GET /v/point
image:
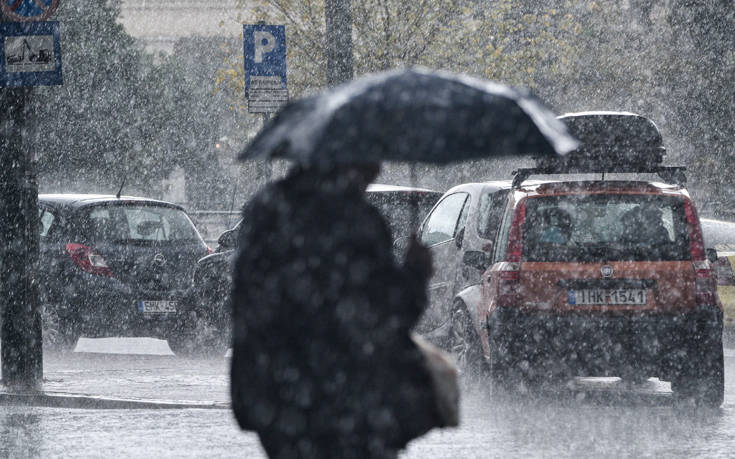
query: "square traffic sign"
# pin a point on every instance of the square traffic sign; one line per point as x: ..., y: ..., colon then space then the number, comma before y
x: 265, y: 67
x: 30, y: 54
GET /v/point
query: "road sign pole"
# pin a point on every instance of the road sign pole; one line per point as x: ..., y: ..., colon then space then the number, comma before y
x: 32, y: 54
x: 267, y: 163
x: 338, y: 17
x: 22, y: 351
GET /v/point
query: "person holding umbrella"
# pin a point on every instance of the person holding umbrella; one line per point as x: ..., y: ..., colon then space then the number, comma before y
x: 323, y: 363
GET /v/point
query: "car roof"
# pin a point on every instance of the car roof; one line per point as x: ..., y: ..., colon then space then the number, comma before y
x: 480, y: 186
x: 74, y: 200
x: 600, y: 186
x: 383, y: 188
x: 551, y: 187
x: 719, y: 234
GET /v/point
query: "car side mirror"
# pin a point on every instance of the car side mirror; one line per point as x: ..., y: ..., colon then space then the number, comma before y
x: 475, y: 259
x: 711, y: 255
x: 228, y: 239
x: 400, y: 245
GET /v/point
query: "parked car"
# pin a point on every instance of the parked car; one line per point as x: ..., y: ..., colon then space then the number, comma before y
x: 720, y: 236
x: 207, y: 304
x: 603, y: 277
x: 459, y: 231
x: 395, y: 203
x: 113, y: 266
x: 206, y: 308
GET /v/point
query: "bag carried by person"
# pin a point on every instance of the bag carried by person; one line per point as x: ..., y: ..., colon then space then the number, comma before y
x: 443, y: 374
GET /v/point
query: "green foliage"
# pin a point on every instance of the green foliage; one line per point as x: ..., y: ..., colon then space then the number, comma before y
x: 189, y: 123
x: 671, y: 61
x: 486, y: 38
x: 88, y: 131
x: 122, y: 112
x: 496, y: 39
x: 702, y: 54
x: 502, y: 41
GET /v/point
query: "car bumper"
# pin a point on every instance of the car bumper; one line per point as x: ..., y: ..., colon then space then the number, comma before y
x: 602, y: 344
x: 107, y: 307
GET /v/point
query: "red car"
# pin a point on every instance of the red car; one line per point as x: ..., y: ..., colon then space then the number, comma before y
x: 603, y: 278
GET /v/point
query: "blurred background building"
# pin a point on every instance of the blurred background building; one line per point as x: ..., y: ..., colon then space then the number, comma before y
x: 159, y: 23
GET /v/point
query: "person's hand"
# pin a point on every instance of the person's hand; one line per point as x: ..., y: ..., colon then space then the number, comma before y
x: 418, y: 258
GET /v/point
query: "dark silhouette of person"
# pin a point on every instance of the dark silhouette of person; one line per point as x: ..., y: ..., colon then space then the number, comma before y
x: 323, y: 364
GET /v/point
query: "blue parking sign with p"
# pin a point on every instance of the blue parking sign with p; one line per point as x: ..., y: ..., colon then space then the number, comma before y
x: 265, y: 52
x: 265, y: 67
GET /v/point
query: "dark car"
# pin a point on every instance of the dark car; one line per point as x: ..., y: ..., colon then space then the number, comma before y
x: 395, y: 203
x: 205, y: 311
x: 207, y: 307
x: 114, y: 266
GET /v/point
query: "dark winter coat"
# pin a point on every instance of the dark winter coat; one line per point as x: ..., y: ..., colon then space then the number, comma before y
x: 321, y: 321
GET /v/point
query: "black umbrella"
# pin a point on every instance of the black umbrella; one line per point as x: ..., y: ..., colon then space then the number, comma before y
x: 412, y: 115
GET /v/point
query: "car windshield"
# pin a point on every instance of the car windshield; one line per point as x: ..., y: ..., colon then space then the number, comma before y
x: 605, y: 227
x: 139, y: 224
x: 396, y: 208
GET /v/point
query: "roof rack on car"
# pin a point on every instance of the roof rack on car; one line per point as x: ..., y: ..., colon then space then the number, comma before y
x: 669, y: 174
x: 610, y: 142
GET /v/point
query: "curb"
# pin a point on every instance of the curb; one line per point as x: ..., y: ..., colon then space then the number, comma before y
x: 77, y: 401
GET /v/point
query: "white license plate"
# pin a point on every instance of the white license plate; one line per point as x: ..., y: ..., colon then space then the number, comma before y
x: 607, y: 296
x: 157, y: 307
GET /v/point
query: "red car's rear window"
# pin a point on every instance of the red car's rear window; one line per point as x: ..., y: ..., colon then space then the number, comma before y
x: 605, y: 227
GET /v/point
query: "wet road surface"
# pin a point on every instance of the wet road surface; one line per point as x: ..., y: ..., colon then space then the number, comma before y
x: 591, y: 418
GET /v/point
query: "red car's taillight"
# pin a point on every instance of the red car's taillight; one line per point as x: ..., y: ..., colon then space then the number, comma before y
x: 705, y: 283
x: 509, y: 285
x: 705, y: 280
x: 509, y: 281
x: 88, y: 259
x: 696, y: 243
x: 515, y: 236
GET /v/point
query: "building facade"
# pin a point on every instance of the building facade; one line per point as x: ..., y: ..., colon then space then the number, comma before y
x: 159, y: 23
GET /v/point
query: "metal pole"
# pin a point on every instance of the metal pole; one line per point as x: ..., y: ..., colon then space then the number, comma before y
x: 267, y: 171
x: 22, y: 349
x: 338, y: 18
x: 414, y: 203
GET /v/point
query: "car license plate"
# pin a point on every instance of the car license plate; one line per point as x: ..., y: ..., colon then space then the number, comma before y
x: 157, y: 307
x: 607, y: 296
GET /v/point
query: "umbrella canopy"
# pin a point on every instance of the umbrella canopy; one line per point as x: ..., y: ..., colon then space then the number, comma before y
x: 412, y: 115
